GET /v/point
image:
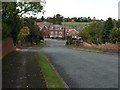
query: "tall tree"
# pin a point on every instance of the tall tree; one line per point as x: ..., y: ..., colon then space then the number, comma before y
x: 115, y: 33
x: 11, y: 13
x: 92, y: 32
x: 42, y: 18
x: 107, y: 29
x: 56, y: 19
x: 34, y: 35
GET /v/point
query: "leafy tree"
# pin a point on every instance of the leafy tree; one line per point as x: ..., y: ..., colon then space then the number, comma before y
x: 35, y: 35
x: 118, y: 23
x: 24, y: 32
x: 56, y: 19
x: 42, y: 18
x: 107, y: 29
x: 115, y: 32
x: 11, y: 13
x: 92, y: 32
x: 115, y: 35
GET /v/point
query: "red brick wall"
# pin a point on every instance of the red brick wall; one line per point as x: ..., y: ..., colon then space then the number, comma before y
x: 57, y: 33
x: 45, y: 32
x: 103, y: 46
x: 7, y: 46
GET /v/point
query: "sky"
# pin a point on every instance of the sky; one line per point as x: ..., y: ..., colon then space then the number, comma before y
x: 101, y: 9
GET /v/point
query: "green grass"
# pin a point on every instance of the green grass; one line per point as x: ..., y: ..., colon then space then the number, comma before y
x: 52, y: 79
x: 77, y: 24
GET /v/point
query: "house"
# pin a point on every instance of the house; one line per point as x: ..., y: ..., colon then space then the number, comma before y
x: 57, y: 31
x: 44, y: 28
x: 72, y: 32
x: 49, y: 30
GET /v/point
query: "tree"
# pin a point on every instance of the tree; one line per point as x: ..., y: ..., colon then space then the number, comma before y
x: 11, y: 13
x: 24, y: 32
x: 118, y: 23
x: 115, y: 32
x: 115, y: 35
x: 35, y: 35
x: 92, y: 32
x: 107, y: 29
x: 56, y: 19
x: 42, y: 18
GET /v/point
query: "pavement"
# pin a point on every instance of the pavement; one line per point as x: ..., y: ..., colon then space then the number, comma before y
x: 82, y: 69
x: 21, y: 70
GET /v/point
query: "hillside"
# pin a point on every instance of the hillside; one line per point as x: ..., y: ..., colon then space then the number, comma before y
x: 76, y: 25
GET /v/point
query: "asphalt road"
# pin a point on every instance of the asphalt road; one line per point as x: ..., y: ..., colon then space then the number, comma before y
x: 81, y: 69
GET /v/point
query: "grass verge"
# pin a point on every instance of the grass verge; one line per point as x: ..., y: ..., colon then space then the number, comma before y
x: 81, y: 48
x: 51, y: 77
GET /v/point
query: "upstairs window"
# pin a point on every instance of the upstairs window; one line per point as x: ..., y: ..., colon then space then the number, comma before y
x: 52, y: 33
x: 60, y: 33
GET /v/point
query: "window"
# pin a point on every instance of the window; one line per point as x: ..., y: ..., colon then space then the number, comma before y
x: 51, y: 32
x: 45, y: 26
x: 60, y: 33
x: 53, y: 27
x: 61, y: 28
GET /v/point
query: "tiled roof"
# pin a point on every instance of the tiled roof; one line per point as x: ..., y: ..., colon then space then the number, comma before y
x: 72, y: 32
x: 56, y: 27
x: 42, y: 24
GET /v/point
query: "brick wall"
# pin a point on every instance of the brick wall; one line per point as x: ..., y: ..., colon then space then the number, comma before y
x: 7, y: 46
x: 56, y: 33
x: 103, y: 46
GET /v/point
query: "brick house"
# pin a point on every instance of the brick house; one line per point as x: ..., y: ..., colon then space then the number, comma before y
x: 49, y: 30
x: 72, y: 32
x: 44, y: 28
x: 57, y: 31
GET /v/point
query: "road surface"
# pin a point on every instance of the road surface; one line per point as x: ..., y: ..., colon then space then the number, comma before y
x: 81, y: 69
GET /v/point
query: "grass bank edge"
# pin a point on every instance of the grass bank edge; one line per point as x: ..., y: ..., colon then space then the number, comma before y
x: 51, y: 77
x: 81, y: 48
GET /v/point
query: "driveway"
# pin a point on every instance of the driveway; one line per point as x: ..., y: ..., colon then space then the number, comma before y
x: 81, y: 69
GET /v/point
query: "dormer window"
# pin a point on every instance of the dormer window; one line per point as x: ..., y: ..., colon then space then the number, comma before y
x: 45, y: 26
x: 53, y: 27
x: 61, y: 28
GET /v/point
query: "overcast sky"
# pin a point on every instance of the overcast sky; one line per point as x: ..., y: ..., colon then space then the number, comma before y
x: 101, y: 9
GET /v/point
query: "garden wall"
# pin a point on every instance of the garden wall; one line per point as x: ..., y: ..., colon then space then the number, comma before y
x: 109, y: 46
x: 7, y: 46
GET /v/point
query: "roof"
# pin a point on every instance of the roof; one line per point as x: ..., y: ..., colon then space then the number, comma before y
x: 42, y: 24
x: 72, y: 32
x: 56, y: 27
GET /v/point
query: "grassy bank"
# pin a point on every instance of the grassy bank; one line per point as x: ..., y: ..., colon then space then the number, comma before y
x: 77, y: 24
x: 91, y: 49
x: 51, y: 77
x: 81, y: 48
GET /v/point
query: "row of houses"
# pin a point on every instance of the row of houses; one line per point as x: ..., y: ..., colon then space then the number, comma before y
x: 49, y: 30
